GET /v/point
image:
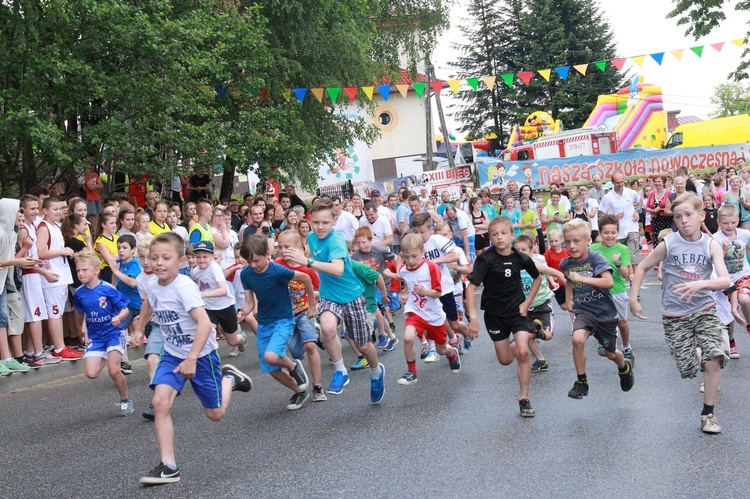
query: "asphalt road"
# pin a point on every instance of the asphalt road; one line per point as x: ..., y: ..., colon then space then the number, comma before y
x: 447, y: 435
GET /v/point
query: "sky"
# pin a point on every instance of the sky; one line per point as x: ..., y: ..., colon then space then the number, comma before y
x: 641, y: 27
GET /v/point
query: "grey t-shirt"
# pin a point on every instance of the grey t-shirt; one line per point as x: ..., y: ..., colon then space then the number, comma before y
x: 686, y: 261
x: 590, y: 300
x: 376, y: 258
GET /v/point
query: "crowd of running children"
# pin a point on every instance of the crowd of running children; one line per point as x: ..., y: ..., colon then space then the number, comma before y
x: 178, y: 278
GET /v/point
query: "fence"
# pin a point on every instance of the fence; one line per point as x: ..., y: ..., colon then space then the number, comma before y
x: 342, y: 190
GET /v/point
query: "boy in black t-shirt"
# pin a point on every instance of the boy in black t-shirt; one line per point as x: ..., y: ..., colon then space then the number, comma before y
x: 504, y: 303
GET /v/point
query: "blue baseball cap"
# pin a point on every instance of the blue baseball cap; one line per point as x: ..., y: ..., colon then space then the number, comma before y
x: 204, y: 246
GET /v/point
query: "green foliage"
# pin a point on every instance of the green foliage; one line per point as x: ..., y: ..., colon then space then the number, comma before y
x: 134, y: 81
x: 535, y: 34
x: 700, y: 17
x: 731, y: 99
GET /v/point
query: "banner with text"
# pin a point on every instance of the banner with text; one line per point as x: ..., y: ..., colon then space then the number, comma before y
x: 634, y: 162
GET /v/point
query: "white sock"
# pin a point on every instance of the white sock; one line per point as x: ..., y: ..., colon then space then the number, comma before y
x: 339, y: 366
x: 375, y: 372
x: 8, y: 359
x: 432, y: 345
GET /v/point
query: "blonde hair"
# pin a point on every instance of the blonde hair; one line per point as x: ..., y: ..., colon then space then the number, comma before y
x: 689, y: 198
x: 500, y: 220
x: 577, y: 224
x: 87, y: 256
x: 728, y: 210
x: 144, y: 247
x: 441, y: 226
x: 412, y: 242
x: 290, y: 234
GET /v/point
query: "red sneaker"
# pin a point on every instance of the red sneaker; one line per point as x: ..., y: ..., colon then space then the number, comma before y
x: 67, y: 354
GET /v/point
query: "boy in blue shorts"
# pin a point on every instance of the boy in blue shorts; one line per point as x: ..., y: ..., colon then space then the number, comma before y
x: 190, y: 351
x: 340, y: 298
x: 587, y: 295
x: 104, y: 309
x: 126, y: 270
x: 269, y: 282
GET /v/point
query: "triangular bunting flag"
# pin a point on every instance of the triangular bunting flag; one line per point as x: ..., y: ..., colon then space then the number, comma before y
x: 525, y: 77
x: 384, y: 91
x: 545, y: 73
x: 563, y: 71
x: 402, y: 89
x: 489, y: 81
x: 618, y: 63
x: 419, y: 88
x: 254, y: 92
x: 473, y: 82
x: 697, y: 50
x: 658, y: 57
x: 718, y: 46
x: 601, y: 65
x: 222, y: 91
x: 739, y: 42
x: 300, y: 93
x: 638, y: 60
x: 351, y: 92
x: 508, y: 79
x: 368, y: 92
x: 333, y: 92
x: 454, y: 84
x: 286, y: 94
x: 318, y: 93
x: 437, y: 86
x: 677, y: 54
x: 581, y: 68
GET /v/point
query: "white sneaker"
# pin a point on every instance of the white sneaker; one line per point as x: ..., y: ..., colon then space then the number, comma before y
x: 432, y: 356
x: 234, y: 352
x: 709, y: 424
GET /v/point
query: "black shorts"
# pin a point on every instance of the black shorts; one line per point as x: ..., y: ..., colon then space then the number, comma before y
x: 543, y: 313
x: 500, y: 328
x: 481, y: 241
x: 226, y: 318
x: 449, y: 306
x: 560, y: 295
x: 604, y: 332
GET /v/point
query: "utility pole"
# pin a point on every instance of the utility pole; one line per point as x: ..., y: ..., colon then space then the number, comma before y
x: 428, y: 117
x: 446, y: 138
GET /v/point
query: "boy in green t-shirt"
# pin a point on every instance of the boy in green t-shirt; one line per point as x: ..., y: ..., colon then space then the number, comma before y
x: 618, y: 256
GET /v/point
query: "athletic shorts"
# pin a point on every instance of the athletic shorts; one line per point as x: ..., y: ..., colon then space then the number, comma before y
x: 706, y: 329
x: 354, y: 316
x: 55, y: 299
x: 102, y: 346
x: 622, y: 304
x: 206, y: 383
x: 132, y: 314
x: 449, y: 306
x: 155, y: 343
x: 605, y: 332
x: 273, y: 338
x: 482, y: 241
x: 459, y: 242
x: 500, y: 328
x: 543, y: 313
x: 15, y: 314
x: 395, y: 301
x: 32, y: 298
x: 226, y: 318
x: 434, y: 333
x: 304, y: 332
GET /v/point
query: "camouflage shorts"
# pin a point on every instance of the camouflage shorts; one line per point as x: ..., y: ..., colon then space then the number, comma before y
x: 703, y: 328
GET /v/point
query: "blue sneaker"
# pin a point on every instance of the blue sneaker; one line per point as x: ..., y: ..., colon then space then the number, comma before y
x: 338, y: 382
x: 467, y: 344
x: 391, y: 344
x: 382, y: 341
x: 377, y: 386
x: 360, y: 364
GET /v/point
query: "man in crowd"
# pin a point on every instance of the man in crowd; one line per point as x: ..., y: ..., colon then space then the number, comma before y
x: 621, y: 203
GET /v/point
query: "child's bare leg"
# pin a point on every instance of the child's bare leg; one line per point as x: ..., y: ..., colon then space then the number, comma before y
x: 624, y: 327
x: 313, y: 362
x: 328, y: 324
x: 535, y: 349
x: 162, y: 401
x: 711, y: 380
x: 521, y: 350
x: 504, y: 352
x: 579, y: 352
x: 113, y: 365
x: 227, y: 384
x: 92, y: 366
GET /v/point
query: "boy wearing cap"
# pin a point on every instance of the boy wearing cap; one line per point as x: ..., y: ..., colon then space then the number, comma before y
x: 219, y: 304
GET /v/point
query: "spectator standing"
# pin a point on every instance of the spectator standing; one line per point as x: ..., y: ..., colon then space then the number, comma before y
x: 621, y: 203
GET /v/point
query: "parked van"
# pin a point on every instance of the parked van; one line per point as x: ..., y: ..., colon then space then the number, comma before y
x: 719, y: 131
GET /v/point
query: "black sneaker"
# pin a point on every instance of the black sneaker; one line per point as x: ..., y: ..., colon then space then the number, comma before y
x: 29, y: 361
x: 627, y: 378
x: 149, y: 413
x: 299, y: 375
x: 243, y: 383
x: 580, y: 389
x: 298, y: 400
x: 526, y: 410
x: 126, y: 368
x: 160, y: 475
x: 540, y: 366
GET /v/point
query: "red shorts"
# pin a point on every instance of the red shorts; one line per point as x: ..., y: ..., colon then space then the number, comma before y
x: 434, y: 333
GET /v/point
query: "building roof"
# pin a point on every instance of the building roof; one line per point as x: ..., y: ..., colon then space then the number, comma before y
x: 406, y: 78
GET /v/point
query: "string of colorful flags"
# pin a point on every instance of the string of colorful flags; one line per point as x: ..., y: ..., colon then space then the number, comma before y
x: 563, y: 72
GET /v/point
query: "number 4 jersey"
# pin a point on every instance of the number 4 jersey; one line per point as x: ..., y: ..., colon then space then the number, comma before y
x: 428, y: 275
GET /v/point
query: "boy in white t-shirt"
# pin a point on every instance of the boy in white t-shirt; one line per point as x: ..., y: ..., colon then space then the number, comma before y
x: 423, y: 310
x: 190, y: 351
x: 220, y: 305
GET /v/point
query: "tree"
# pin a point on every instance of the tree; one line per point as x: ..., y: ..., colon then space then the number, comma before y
x: 540, y: 34
x: 145, y: 83
x: 731, y: 99
x: 700, y: 17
